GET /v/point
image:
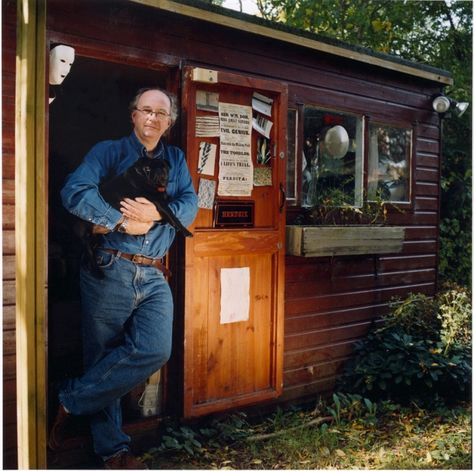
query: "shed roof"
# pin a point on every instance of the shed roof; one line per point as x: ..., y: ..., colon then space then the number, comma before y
x: 254, y: 24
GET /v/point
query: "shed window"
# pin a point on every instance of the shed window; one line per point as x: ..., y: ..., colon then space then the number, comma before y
x: 332, y: 158
x: 389, y: 163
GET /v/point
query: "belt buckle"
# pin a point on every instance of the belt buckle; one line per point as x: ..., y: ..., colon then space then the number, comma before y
x: 137, y: 258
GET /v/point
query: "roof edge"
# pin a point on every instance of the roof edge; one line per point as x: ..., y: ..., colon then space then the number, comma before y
x: 243, y: 21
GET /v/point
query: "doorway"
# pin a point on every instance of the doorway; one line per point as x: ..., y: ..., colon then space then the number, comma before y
x: 90, y: 106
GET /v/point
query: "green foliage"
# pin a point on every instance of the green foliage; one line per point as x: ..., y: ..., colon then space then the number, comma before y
x: 348, y: 407
x: 332, y: 208
x: 180, y: 438
x: 455, y: 316
x: 416, y: 316
x: 422, y: 353
x: 189, y: 438
x: 421, y: 31
x: 370, y: 435
x: 456, y: 201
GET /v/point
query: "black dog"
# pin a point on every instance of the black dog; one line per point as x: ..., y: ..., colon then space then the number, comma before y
x: 146, y: 178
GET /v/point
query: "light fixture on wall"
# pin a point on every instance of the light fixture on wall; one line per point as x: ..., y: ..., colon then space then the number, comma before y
x: 441, y: 104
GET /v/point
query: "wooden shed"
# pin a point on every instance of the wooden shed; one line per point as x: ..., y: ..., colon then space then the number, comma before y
x: 313, y: 117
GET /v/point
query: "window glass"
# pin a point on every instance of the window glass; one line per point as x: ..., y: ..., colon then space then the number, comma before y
x: 389, y: 163
x: 291, y: 157
x: 332, y: 158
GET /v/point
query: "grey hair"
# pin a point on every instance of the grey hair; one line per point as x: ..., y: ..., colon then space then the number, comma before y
x: 172, y: 98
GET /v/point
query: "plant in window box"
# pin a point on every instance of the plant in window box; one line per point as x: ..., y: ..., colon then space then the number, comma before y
x: 334, y: 227
x: 334, y: 208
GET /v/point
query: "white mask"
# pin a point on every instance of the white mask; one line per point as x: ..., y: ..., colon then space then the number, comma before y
x: 61, y: 59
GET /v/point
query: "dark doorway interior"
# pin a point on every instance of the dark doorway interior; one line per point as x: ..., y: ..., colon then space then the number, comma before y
x: 91, y: 105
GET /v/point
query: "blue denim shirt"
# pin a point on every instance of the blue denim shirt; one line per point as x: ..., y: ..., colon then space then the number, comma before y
x: 80, y: 194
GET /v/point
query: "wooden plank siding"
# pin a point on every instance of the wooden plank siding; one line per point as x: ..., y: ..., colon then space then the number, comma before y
x: 8, y: 222
x: 329, y: 302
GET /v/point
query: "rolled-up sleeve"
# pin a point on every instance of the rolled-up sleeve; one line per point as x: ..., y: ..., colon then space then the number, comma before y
x: 80, y: 194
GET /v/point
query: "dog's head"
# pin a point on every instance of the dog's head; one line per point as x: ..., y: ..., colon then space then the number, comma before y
x: 152, y: 173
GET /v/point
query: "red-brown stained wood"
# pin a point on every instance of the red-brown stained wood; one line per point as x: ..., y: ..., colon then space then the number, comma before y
x: 306, y: 357
x: 8, y: 220
x: 427, y: 160
x: 8, y: 243
x: 426, y: 203
x: 426, y: 174
x: 8, y: 318
x: 333, y: 318
x: 317, y: 388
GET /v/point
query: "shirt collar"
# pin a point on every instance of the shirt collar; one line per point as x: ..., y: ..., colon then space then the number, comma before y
x: 157, y: 152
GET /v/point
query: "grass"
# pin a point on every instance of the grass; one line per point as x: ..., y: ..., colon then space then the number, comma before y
x: 358, y: 434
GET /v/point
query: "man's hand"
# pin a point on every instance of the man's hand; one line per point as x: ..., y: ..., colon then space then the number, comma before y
x: 137, y: 227
x: 140, y: 210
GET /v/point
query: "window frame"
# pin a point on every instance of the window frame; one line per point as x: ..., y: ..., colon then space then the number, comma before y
x: 290, y: 199
x: 359, y: 187
x: 366, y: 120
x: 397, y: 125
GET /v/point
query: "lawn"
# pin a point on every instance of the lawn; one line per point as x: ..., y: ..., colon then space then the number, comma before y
x: 348, y: 432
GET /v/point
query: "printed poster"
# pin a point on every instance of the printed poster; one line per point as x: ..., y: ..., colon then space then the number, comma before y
x: 235, y: 160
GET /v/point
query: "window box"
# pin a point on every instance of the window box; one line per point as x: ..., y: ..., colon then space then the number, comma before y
x: 323, y: 241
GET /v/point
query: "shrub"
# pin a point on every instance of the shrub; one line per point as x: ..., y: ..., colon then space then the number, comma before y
x: 416, y: 315
x: 421, y: 353
x: 455, y: 316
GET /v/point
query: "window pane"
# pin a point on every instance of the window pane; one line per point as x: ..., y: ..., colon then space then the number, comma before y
x: 332, y: 159
x: 389, y: 163
x: 291, y: 157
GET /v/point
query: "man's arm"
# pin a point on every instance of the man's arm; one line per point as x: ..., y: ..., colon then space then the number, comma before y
x: 81, y: 196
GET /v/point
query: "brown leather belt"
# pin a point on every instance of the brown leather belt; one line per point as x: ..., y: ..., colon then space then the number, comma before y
x: 140, y: 260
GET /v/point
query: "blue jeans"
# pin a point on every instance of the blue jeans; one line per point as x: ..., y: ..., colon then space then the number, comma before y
x: 127, y: 329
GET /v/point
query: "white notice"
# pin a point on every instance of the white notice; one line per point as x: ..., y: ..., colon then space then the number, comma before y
x: 235, y: 294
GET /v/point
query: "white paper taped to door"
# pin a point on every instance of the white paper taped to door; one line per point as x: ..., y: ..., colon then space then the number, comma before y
x: 235, y: 295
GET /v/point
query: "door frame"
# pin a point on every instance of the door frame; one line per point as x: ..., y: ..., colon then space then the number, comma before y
x: 30, y: 230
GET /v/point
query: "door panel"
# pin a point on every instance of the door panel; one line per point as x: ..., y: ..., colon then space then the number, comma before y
x: 227, y: 364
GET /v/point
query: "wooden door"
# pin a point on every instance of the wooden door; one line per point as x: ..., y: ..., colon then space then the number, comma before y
x: 233, y: 361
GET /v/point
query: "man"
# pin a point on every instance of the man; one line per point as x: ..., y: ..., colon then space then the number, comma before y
x: 127, y: 315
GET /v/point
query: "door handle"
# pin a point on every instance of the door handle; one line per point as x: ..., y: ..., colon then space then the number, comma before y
x: 283, y: 197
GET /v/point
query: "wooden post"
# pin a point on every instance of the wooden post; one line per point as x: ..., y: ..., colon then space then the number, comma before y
x: 30, y: 234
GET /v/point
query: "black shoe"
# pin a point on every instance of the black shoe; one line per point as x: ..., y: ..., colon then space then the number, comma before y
x: 124, y: 460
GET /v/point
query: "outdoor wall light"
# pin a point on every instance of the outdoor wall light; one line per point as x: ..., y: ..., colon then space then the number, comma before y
x: 441, y: 104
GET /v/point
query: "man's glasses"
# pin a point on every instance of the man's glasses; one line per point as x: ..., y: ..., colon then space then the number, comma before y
x: 148, y: 112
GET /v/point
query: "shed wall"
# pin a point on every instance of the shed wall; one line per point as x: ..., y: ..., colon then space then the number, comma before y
x: 8, y: 193
x: 329, y: 302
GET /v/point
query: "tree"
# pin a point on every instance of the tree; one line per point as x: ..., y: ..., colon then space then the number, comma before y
x: 438, y: 33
